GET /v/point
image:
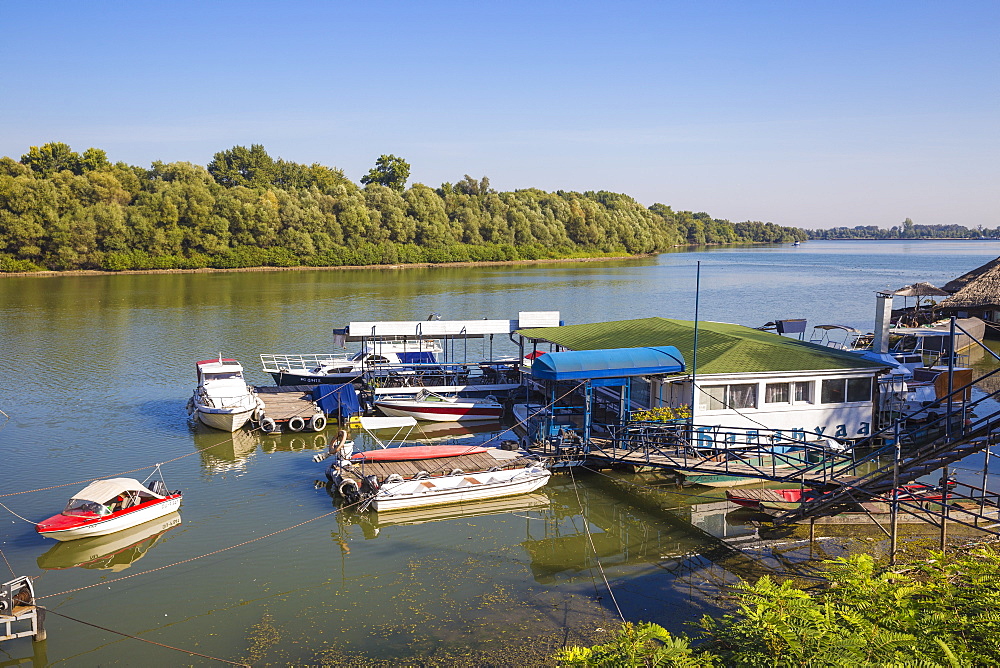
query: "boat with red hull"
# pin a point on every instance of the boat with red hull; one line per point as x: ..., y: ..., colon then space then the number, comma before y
x: 107, y: 506
x: 763, y: 498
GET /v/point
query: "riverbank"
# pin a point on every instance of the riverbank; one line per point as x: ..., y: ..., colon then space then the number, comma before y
x: 237, y: 270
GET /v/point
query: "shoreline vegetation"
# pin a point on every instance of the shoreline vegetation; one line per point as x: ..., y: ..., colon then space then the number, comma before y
x: 63, y: 211
x: 934, y: 609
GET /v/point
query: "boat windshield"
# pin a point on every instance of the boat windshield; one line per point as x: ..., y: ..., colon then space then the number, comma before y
x: 77, y: 507
x: 223, y: 375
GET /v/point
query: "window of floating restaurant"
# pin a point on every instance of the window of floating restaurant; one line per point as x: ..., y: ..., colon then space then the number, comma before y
x: 776, y: 393
x: 841, y: 390
x: 718, y: 397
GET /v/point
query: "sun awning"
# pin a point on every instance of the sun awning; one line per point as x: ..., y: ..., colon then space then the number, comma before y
x: 103, y: 491
x: 609, y: 363
x: 922, y: 289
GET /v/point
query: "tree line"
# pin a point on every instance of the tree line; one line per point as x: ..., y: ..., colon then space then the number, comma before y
x: 907, y: 230
x: 63, y: 210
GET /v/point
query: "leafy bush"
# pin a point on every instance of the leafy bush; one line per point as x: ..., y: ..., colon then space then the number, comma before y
x: 11, y: 265
x: 937, y: 611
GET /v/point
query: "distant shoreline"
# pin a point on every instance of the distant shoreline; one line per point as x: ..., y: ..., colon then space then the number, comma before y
x: 419, y: 265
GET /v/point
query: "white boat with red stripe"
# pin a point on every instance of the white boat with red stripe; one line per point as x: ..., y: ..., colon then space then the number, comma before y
x: 433, y: 407
x: 107, y: 506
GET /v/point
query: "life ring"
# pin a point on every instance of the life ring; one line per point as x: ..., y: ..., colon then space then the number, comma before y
x: 268, y: 425
x: 296, y: 423
x: 318, y: 422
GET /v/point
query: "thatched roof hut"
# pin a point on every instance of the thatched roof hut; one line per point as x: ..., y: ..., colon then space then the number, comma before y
x: 921, y: 289
x: 963, y: 280
x: 982, y: 291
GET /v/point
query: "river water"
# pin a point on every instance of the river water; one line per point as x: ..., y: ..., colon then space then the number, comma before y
x: 95, y: 372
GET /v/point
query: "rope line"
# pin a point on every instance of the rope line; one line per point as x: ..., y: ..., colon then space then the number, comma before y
x: 590, y: 538
x: 16, y: 515
x: 121, y: 473
x: 186, y: 561
x: 8, y: 563
x: 151, y: 642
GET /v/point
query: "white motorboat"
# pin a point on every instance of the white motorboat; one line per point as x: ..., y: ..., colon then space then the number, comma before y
x: 433, y: 407
x: 223, y: 400
x: 457, y: 488
x: 379, y: 357
x: 108, y: 506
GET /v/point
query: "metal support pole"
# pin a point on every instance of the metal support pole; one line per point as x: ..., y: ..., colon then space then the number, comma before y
x: 986, y: 469
x: 894, y: 506
x: 944, y: 508
x: 951, y: 379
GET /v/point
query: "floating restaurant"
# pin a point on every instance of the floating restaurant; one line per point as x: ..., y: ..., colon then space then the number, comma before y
x: 741, y: 386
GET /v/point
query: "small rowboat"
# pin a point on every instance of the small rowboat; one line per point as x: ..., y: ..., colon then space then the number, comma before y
x: 789, y: 499
x: 426, y: 405
x: 107, y: 506
x: 409, y: 453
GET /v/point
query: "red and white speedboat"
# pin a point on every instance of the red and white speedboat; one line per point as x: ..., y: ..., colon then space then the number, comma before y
x: 107, y: 506
x: 426, y: 405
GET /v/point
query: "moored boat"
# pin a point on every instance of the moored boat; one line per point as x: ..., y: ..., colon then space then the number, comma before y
x: 458, y: 488
x: 433, y: 407
x: 223, y: 399
x: 115, y: 552
x: 789, y: 499
x: 107, y: 506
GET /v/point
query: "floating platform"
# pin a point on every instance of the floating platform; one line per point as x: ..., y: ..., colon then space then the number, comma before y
x: 291, y: 407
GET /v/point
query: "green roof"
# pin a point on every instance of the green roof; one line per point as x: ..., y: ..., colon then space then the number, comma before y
x: 722, y: 347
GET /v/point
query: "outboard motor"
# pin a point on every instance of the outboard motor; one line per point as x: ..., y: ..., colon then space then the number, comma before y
x: 157, y: 487
x: 370, y: 485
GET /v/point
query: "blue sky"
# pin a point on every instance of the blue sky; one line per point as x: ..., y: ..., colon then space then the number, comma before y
x: 811, y: 114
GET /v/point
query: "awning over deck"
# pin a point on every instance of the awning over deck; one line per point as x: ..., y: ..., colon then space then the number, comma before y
x: 610, y: 363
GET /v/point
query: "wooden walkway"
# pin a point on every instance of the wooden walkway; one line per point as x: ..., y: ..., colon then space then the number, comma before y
x: 815, y: 475
x: 283, y: 405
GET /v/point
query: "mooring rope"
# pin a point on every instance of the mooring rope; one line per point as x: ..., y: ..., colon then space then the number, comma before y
x: 189, y: 560
x: 121, y: 473
x: 16, y: 515
x: 8, y: 563
x: 151, y: 642
x: 590, y: 537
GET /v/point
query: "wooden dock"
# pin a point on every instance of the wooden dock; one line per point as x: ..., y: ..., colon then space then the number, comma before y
x: 283, y: 404
x: 811, y: 474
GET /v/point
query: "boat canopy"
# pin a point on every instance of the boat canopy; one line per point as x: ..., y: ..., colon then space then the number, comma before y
x: 609, y: 363
x: 375, y: 423
x: 103, y: 491
x: 414, y: 329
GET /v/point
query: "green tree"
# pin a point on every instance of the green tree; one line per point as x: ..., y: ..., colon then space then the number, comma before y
x: 241, y: 166
x: 389, y: 171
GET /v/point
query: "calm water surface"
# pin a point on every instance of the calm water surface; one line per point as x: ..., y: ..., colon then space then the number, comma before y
x: 95, y: 372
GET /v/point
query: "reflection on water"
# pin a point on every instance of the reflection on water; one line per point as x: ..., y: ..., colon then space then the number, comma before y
x: 114, y: 552
x: 371, y: 523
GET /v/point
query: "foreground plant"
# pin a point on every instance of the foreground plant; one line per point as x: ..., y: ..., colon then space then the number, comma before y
x: 937, y: 611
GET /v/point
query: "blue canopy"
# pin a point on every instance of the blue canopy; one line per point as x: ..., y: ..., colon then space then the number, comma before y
x: 610, y: 363
x: 337, y: 400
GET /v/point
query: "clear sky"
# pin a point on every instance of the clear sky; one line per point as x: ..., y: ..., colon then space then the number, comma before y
x: 806, y: 113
